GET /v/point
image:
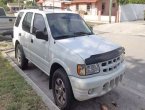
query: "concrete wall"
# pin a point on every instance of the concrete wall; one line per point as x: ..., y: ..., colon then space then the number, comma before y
x: 83, y: 7
x: 132, y: 12
x: 107, y: 5
x: 73, y: 7
x: 97, y: 18
x: 94, y: 9
x: 57, y: 3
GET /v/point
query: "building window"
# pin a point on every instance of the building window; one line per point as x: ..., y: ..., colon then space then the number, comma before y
x: 77, y: 7
x: 103, y: 8
x: 88, y: 7
x: 114, y: 5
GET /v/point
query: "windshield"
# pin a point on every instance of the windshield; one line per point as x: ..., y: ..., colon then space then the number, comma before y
x: 67, y: 25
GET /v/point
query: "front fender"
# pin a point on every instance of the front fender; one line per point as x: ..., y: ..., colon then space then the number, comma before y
x: 60, y: 62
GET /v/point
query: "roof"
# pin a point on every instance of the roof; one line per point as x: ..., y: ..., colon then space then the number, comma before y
x: 40, y: 1
x: 81, y: 1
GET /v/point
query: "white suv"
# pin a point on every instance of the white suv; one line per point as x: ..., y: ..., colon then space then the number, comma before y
x: 81, y: 65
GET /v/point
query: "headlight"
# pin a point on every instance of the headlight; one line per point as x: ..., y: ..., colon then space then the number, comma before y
x: 92, y: 69
x: 83, y: 70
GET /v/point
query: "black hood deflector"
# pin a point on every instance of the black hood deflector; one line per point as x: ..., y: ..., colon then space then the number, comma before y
x: 104, y: 56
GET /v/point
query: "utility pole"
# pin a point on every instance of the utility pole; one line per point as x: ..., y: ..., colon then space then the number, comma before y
x: 33, y: 3
x: 110, y: 11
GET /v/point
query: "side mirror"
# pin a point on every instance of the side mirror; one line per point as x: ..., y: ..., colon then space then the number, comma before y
x: 41, y: 35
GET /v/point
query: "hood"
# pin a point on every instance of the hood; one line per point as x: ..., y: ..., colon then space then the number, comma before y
x: 85, y: 46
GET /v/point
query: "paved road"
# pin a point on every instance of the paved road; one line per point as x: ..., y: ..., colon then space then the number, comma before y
x: 135, y: 48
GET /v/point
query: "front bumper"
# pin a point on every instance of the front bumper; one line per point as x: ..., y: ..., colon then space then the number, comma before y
x: 88, y: 88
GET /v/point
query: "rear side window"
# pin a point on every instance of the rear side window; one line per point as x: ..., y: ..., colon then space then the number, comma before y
x: 26, y: 25
x: 19, y: 19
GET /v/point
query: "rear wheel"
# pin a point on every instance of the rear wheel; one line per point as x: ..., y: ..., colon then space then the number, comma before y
x: 62, y: 89
x: 21, y: 59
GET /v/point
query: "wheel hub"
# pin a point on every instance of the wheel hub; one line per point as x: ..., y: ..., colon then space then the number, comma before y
x: 60, y: 91
x: 18, y: 56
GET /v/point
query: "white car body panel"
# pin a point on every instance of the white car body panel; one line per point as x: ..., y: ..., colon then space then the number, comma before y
x: 86, y: 46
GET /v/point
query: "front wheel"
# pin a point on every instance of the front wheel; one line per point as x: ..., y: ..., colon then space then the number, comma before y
x: 62, y: 91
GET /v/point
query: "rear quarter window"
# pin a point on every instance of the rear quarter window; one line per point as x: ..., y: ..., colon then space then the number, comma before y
x: 2, y: 12
x: 18, y: 19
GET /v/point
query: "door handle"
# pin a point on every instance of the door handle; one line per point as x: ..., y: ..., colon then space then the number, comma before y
x: 19, y: 34
x: 31, y: 40
x: 10, y: 20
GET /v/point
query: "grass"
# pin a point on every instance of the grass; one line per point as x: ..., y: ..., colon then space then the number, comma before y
x: 15, y: 93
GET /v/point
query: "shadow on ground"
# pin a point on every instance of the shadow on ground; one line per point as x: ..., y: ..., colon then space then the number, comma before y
x: 136, y: 69
x: 5, y: 38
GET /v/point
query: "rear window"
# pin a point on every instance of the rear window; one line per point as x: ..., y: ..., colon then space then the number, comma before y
x: 2, y: 12
x: 19, y: 19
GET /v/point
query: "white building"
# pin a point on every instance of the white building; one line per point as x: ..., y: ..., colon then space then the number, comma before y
x: 55, y: 3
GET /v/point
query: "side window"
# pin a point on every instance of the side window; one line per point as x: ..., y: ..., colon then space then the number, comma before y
x: 18, y: 19
x: 26, y: 25
x: 39, y: 24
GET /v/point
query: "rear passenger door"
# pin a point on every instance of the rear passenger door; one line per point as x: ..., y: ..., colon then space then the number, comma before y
x: 25, y: 33
x: 39, y: 47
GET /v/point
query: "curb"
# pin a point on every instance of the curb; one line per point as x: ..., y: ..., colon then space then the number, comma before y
x: 46, y: 100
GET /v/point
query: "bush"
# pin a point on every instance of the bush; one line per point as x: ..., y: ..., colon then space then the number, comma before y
x: 122, y: 2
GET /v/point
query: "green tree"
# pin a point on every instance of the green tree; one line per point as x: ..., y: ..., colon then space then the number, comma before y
x: 137, y: 1
x: 123, y: 2
x: 2, y: 3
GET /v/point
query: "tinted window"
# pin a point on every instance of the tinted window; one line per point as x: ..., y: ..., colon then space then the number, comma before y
x: 39, y: 24
x: 26, y: 25
x: 64, y: 25
x: 2, y: 12
x: 19, y: 19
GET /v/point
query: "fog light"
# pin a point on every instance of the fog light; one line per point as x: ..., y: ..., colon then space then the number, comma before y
x: 91, y: 91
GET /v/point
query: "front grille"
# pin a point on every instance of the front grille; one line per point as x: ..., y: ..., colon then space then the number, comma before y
x: 113, y: 83
x: 111, y: 65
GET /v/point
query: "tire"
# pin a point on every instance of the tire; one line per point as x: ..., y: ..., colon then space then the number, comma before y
x: 62, y: 90
x: 21, y: 59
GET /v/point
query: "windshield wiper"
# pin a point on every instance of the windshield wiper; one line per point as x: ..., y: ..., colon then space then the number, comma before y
x: 64, y: 36
x: 83, y: 33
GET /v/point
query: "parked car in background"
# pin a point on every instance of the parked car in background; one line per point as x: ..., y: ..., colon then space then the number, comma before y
x: 6, y: 23
x: 80, y: 64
